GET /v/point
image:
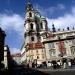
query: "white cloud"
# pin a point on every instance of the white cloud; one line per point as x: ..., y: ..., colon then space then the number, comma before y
x: 60, y: 21
x: 63, y: 21
x: 14, y: 50
x: 50, y: 10
x: 12, y: 22
x: 40, y: 9
x: 60, y: 6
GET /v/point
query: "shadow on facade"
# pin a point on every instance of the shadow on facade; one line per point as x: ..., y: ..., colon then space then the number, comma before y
x: 16, y: 69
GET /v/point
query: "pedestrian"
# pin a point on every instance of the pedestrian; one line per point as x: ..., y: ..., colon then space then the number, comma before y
x: 64, y: 65
x: 49, y: 64
x: 69, y: 64
x: 28, y: 65
x: 54, y: 64
x: 58, y: 64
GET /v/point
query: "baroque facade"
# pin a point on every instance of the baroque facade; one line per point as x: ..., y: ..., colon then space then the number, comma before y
x: 61, y: 45
x: 42, y: 45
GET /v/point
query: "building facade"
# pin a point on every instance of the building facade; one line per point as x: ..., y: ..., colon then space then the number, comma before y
x: 35, y: 24
x: 17, y: 58
x: 2, y: 41
x: 7, y: 56
x: 43, y: 45
x: 61, y: 45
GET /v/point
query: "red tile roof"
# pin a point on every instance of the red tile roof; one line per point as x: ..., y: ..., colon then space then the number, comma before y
x: 35, y: 45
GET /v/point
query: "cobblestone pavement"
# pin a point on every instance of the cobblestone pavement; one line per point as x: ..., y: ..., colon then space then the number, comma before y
x: 43, y: 71
x: 58, y: 71
x: 22, y: 71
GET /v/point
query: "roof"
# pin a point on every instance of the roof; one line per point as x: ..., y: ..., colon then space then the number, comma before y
x: 55, y: 40
x: 16, y: 55
x: 64, y: 32
x: 37, y: 45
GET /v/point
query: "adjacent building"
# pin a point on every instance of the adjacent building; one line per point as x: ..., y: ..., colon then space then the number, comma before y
x: 61, y: 45
x: 2, y: 40
x: 7, y: 56
x: 17, y: 58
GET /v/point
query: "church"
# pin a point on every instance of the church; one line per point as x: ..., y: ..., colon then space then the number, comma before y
x: 42, y: 45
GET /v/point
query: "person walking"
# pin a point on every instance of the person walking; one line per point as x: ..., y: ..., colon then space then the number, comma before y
x: 69, y: 64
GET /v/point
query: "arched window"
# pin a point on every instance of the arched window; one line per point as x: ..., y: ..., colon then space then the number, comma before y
x: 32, y: 38
x: 30, y: 14
x: 41, y: 25
x: 37, y: 57
x: 31, y: 26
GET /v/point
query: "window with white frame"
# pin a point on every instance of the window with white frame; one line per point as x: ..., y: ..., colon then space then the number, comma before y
x: 73, y: 41
x: 52, y: 52
x: 72, y: 50
x: 51, y: 45
x: 59, y: 36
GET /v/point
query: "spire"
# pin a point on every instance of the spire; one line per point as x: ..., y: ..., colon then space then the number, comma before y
x: 28, y: 5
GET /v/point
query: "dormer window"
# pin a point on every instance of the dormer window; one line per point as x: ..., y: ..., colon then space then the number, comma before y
x: 30, y: 14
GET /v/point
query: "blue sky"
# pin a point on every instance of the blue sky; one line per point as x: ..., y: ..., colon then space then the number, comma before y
x: 12, y: 17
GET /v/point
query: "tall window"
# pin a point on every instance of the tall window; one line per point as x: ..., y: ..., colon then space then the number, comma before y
x: 72, y: 50
x: 41, y: 25
x: 31, y: 26
x: 52, y: 52
x: 32, y: 38
x: 43, y: 56
x: 37, y: 57
x: 36, y: 51
x: 30, y: 14
x: 51, y: 45
x: 73, y: 41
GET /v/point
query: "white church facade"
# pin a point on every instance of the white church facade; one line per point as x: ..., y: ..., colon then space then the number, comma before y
x: 42, y: 45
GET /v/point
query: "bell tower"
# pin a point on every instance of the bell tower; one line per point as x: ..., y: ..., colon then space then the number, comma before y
x: 35, y: 29
x: 30, y: 25
x: 34, y: 24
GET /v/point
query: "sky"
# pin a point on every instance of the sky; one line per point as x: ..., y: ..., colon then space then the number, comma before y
x: 61, y: 13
